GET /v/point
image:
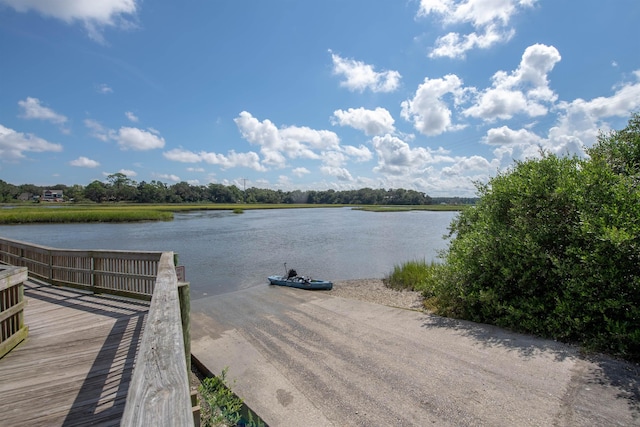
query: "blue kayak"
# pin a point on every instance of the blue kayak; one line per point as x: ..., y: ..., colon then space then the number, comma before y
x: 300, y: 282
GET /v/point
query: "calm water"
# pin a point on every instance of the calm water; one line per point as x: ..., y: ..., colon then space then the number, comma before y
x: 224, y: 252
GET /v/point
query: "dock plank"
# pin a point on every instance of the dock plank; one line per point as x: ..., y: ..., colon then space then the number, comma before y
x: 75, y: 366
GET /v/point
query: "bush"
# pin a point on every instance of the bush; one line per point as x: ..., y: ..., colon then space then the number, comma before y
x: 553, y: 248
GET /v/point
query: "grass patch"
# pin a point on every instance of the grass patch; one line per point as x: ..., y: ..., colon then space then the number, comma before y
x: 413, y: 276
x: 422, y: 277
x: 76, y: 215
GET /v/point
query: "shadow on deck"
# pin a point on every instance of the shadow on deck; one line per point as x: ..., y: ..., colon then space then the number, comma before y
x: 76, y: 364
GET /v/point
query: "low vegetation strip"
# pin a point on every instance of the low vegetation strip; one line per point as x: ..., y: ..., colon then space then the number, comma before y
x: 69, y: 215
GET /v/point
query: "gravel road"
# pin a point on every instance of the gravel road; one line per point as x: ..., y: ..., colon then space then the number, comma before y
x: 363, y: 355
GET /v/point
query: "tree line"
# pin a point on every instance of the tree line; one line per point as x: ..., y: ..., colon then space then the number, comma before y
x: 120, y: 188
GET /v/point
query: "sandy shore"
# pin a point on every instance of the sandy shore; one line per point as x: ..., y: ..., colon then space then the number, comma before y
x: 373, y: 290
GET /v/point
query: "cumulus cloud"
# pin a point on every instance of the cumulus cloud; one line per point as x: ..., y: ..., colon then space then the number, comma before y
x: 371, y: 122
x: 84, y: 162
x: 427, y: 110
x: 339, y: 173
x: 489, y: 21
x: 507, y: 136
x: 13, y: 144
x: 276, y: 145
x: 396, y: 157
x: 360, y: 153
x: 129, y: 138
x: 32, y: 108
x: 128, y: 172
x: 465, y: 165
x: 94, y: 15
x: 232, y: 159
x: 523, y: 91
x: 359, y: 76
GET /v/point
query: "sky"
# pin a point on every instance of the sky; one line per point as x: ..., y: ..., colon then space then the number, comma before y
x: 427, y: 95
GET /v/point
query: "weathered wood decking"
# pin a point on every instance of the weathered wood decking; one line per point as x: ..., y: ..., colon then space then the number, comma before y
x: 76, y: 364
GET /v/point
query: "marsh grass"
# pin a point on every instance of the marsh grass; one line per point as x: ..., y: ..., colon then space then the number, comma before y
x: 63, y: 213
x: 71, y: 215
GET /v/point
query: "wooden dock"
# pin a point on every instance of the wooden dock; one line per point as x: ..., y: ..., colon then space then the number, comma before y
x: 76, y: 364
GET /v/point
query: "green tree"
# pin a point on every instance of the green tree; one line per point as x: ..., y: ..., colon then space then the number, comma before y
x: 96, y: 191
x: 552, y: 247
x: 121, y: 187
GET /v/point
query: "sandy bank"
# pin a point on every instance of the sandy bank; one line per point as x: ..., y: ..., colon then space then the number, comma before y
x: 373, y: 290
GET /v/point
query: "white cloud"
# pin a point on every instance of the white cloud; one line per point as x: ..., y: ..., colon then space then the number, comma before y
x: 360, y: 76
x: 84, y: 162
x: 132, y: 117
x: 371, y: 122
x: 13, y: 144
x: 507, y: 136
x: 97, y: 130
x: 341, y: 174
x: 102, y: 88
x: 360, y: 154
x: 32, y: 108
x: 299, y: 172
x: 428, y: 112
x: 396, y: 157
x: 489, y: 18
x: 166, y: 176
x: 182, y: 155
x: 249, y: 160
x: 333, y: 158
x: 137, y: 139
x: 523, y: 91
x: 625, y: 100
x: 276, y: 145
x: 95, y: 15
x: 464, y: 165
x: 128, y: 172
x: 454, y: 45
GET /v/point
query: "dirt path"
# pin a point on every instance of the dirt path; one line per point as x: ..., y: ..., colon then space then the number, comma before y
x: 316, y: 359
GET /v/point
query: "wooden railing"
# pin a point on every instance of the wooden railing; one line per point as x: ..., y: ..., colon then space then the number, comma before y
x: 12, y: 302
x: 159, y: 390
x: 126, y: 273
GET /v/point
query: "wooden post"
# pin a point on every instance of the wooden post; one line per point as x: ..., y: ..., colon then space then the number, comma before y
x: 185, y: 317
x: 12, y: 303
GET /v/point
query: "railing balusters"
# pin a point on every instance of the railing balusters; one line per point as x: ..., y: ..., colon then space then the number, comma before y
x: 127, y: 273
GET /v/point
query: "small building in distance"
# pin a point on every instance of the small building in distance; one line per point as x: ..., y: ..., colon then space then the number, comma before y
x: 52, y: 196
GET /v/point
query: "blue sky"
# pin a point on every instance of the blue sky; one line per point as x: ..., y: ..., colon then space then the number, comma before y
x: 429, y: 95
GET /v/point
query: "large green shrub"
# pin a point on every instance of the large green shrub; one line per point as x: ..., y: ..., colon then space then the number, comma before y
x: 552, y: 248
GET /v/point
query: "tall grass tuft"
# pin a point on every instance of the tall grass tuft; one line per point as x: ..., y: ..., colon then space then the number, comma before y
x: 413, y: 275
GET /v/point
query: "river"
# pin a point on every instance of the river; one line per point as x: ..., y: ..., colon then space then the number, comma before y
x: 224, y: 252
